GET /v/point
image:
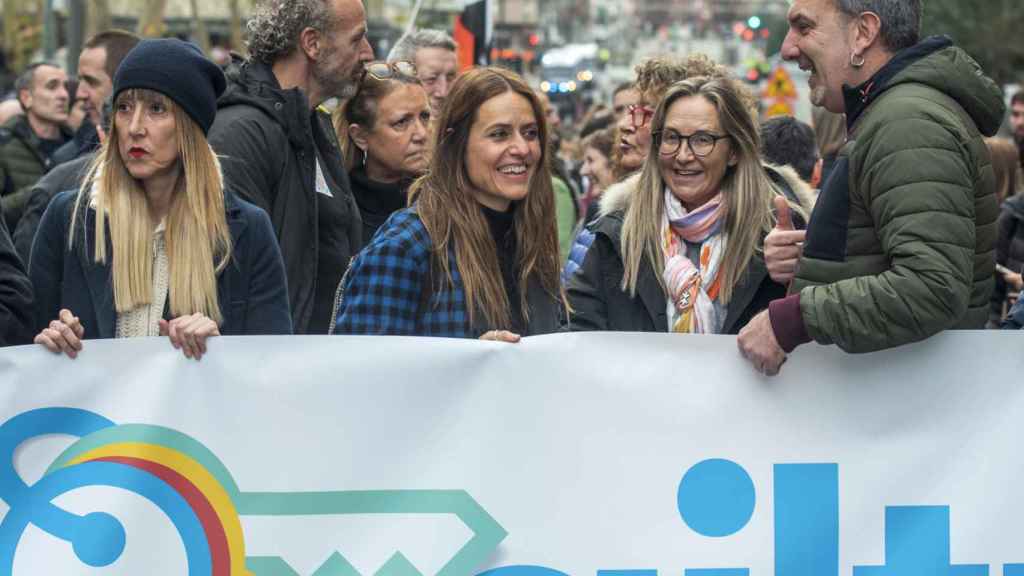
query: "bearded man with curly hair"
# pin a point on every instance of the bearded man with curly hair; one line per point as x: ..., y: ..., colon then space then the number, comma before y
x: 280, y: 150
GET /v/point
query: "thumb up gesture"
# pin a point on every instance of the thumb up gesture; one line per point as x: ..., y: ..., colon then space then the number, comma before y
x: 783, y: 245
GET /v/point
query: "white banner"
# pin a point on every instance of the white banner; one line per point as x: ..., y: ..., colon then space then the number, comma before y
x: 597, y: 455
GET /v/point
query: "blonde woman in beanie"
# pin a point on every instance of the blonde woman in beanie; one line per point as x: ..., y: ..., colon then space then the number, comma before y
x: 155, y: 243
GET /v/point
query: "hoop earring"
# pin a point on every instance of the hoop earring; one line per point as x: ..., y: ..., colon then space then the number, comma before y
x: 856, y: 63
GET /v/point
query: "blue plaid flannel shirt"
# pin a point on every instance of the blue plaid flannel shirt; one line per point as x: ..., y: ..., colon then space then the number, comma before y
x: 387, y: 289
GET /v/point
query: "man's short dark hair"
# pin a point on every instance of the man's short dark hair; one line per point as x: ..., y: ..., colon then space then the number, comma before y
x: 1017, y: 98
x: 621, y: 88
x: 901, y: 19
x: 27, y: 77
x: 116, y: 43
x: 788, y: 141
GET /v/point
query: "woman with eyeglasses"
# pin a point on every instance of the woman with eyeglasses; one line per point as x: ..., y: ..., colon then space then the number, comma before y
x: 684, y: 256
x: 633, y: 139
x: 383, y: 131
x: 476, y: 255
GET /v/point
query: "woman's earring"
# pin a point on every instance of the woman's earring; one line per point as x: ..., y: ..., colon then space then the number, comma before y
x: 855, y: 62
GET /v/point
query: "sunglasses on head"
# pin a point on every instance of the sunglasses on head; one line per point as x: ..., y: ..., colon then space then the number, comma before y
x: 389, y: 70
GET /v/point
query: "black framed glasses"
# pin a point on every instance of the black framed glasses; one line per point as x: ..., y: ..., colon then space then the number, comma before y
x: 701, y: 143
x: 389, y: 70
x: 640, y: 115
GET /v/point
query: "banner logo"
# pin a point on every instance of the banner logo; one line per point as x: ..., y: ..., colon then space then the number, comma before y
x: 194, y: 489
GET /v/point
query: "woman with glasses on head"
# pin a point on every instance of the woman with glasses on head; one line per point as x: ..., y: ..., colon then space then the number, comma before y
x: 155, y: 243
x: 383, y: 131
x: 476, y: 255
x: 684, y: 256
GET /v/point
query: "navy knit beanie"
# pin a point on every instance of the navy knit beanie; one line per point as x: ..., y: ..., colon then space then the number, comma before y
x: 177, y: 70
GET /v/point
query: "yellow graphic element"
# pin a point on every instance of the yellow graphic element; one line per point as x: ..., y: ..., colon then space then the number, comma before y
x: 779, y: 108
x: 197, y: 475
x: 780, y: 86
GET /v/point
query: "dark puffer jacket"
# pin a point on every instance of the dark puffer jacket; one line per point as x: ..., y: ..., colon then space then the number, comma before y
x: 270, y: 141
x: 22, y: 163
x: 901, y: 242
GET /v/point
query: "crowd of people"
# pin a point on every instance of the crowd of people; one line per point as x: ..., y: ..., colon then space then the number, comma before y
x: 309, y: 189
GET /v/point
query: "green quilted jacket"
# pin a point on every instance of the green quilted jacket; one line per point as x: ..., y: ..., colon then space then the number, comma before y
x: 22, y: 164
x: 901, y: 242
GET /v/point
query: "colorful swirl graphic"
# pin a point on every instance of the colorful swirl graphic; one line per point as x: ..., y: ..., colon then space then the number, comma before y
x: 173, y: 471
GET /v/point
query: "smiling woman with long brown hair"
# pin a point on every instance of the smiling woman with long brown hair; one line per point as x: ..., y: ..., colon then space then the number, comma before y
x: 477, y: 254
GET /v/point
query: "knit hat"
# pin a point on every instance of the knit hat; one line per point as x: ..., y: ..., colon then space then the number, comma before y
x: 177, y: 70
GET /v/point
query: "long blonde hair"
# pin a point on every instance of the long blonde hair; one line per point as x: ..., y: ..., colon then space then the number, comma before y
x: 746, y: 188
x: 452, y: 215
x: 197, y: 235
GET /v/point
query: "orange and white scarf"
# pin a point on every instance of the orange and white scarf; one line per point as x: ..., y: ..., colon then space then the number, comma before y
x: 693, y: 289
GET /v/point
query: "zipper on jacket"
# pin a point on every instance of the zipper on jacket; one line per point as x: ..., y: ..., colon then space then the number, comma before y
x: 339, y: 296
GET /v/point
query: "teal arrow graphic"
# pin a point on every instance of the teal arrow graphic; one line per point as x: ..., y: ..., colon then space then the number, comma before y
x: 487, y: 533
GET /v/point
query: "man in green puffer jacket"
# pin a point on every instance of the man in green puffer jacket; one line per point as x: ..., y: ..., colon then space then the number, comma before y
x: 27, y: 142
x: 901, y: 242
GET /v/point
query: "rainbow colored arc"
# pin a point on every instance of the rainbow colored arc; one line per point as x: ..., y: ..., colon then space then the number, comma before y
x: 175, y: 472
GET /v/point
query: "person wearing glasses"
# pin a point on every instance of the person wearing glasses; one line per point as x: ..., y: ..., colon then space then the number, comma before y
x: 633, y: 139
x: 684, y: 256
x: 476, y: 255
x: 383, y: 131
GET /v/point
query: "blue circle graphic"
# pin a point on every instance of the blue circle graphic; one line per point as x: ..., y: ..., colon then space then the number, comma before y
x: 716, y: 498
x: 98, y: 540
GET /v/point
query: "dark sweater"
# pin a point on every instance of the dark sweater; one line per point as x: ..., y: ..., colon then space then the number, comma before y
x: 503, y: 231
x: 377, y: 201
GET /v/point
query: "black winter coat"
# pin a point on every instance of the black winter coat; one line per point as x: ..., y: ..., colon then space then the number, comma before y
x: 250, y: 289
x: 599, y: 303
x: 67, y: 176
x: 15, y: 294
x: 269, y: 140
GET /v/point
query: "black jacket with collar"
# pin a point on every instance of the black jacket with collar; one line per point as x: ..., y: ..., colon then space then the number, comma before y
x: 84, y: 142
x: 251, y: 290
x: 269, y: 140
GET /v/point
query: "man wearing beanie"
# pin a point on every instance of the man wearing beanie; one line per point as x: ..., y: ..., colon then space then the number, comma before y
x: 281, y: 152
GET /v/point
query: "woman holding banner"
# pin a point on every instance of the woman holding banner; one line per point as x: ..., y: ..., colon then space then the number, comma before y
x: 153, y: 244
x: 682, y: 254
x: 477, y: 253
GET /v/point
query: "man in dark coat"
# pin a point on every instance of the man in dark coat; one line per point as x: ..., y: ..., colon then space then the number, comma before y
x: 279, y: 149
x: 28, y: 142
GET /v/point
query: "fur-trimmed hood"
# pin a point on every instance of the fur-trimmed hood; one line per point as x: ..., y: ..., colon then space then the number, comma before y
x: 618, y: 196
x: 806, y: 195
